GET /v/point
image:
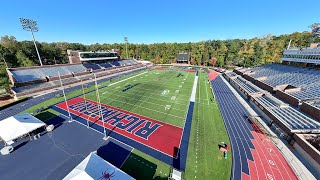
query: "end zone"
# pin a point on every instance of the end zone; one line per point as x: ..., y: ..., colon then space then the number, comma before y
x: 157, y: 135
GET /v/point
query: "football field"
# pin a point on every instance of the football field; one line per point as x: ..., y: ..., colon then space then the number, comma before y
x: 163, y: 95
x: 156, y: 101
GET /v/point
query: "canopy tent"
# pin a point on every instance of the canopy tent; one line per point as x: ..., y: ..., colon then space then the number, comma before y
x: 17, y: 126
x: 94, y: 167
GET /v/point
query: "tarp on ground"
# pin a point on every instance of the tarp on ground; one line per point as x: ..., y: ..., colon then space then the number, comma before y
x: 94, y: 167
x: 18, y: 125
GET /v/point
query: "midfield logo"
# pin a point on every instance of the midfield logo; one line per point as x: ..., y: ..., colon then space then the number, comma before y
x: 119, y: 119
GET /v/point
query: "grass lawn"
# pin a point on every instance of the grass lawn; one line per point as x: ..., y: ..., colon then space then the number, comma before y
x: 164, y: 95
x: 205, y: 160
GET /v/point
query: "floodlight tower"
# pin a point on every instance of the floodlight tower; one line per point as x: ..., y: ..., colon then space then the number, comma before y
x: 126, y: 40
x: 31, y: 25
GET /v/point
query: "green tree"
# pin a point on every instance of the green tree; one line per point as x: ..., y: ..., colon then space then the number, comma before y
x: 23, y: 60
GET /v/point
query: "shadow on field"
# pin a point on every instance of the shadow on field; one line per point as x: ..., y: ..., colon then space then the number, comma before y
x: 45, y: 115
x: 140, y: 168
x: 160, y: 178
x: 55, y: 120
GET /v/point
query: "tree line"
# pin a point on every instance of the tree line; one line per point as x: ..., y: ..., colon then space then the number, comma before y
x: 222, y: 53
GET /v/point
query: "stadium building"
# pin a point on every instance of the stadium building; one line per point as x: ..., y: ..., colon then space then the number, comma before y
x: 183, y: 58
x: 90, y: 57
x: 303, y: 56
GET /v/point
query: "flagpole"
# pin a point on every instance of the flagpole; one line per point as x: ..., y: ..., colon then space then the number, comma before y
x: 85, y: 101
x: 65, y: 99
x: 101, y: 114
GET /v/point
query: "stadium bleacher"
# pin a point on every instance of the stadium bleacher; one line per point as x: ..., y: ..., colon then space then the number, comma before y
x: 115, y: 63
x: 31, y: 88
x: 32, y: 74
x: 78, y: 68
x: 311, y: 91
x: 249, y: 87
x: 294, y: 85
x: 105, y: 65
x: 291, y: 117
x: 276, y: 74
x: 91, y: 66
x: 53, y: 71
x: 27, y: 75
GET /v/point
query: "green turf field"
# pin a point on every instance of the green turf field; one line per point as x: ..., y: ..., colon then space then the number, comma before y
x: 161, y: 95
x: 205, y: 161
x: 164, y: 95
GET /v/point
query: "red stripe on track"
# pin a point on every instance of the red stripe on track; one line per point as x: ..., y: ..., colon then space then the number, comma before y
x: 269, y: 162
x: 165, y: 139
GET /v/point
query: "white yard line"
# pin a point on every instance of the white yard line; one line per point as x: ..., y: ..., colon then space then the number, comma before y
x: 126, y: 79
x: 154, y: 98
x: 153, y: 90
x: 207, y: 90
x: 150, y: 110
x: 106, y: 97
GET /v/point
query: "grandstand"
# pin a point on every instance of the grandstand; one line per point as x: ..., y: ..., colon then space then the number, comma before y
x: 294, y: 85
x: 28, y: 80
x: 289, y: 119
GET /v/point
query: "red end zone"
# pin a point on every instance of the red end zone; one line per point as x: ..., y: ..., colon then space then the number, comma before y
x: 155, y: 134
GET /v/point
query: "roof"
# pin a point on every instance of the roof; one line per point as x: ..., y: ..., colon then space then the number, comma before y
x: 94, y: 167
x: 18, y: 125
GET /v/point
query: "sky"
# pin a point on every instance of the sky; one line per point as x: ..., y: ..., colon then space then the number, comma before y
x: 156, y: 21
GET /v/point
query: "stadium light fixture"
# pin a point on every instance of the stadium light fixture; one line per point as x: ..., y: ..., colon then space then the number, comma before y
x: 31, y: 25
x: 126, y: 40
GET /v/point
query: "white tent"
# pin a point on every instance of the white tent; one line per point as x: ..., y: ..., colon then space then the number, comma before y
x: 17, y: 126
x: 94, y: 167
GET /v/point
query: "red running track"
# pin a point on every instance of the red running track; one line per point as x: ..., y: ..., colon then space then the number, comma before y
x: 212, y: 75
x: 166, y: 138
x: 268, y: 162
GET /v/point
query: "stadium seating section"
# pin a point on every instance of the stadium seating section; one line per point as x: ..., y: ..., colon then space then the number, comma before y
x: 33, y: 74
x: 289, y: 117
x: 73, y: 74
x: 275, y: 75
x: 294, y: 85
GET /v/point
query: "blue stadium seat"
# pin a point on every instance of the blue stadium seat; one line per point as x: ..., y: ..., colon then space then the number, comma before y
x: 27, y: 75
x: 115, y: 63
x: 91, y: 66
